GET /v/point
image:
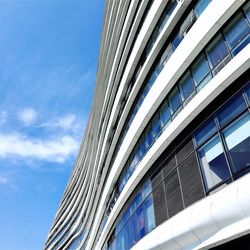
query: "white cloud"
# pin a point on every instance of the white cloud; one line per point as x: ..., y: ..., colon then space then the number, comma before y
x: 27, y: 116
x: 52, y: 150
x: 67, y: 122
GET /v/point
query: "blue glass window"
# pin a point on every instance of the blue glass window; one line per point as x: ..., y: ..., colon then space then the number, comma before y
x: 136, y: 202
x: 142, y: 145
x: 213, y: 163
x: 141, y: 222
x: 216, y: 51
x: 152, y: 79
x: 156, y: 125
x: 236, y: 31
x: 122, y: 240
x: 201, y: 6
x: 247, y: 91
x: 176, y: 41
x: 237, y: 138
x: 201, y: 72
x: 149, y: 136
x: 167, y: 12
x: 186, y: 86
x: 205, y: 131
x: 174, y: 100
x: 246, y: 9
x: 230, y: 110
x: 139, y: 102
x: 149, y: 214
x: 164, y: 114
x: 137, y: 156
x: 147, y: 189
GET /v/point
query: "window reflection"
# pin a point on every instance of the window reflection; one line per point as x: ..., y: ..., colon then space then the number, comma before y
x: 236, y: 31
x: 216, y: 51
x: 186, y: 86
x: 237, y: 138
x: 213, y: 163
x: 230, y: 110
x: 201, y: 72
x: 201, y: 6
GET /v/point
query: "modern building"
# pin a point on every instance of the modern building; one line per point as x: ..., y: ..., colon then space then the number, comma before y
x: 165, y: 159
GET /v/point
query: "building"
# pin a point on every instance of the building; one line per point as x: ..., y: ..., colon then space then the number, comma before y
x: 165, y: 159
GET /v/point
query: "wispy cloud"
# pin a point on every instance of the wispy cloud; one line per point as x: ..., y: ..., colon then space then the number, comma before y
x: 27, y: 116
x: 66, y: 122
x: 53, y: 150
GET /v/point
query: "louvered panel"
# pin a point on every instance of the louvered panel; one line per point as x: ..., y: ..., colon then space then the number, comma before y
x: 191, y: 180
x: 156, y: 179
x: 186, y: 149
x: 159, y: 205
x: 173, y: 194
x: 169, y: 166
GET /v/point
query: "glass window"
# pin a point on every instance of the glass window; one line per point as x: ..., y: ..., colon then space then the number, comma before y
x: 206, y: 130
x: 122, y: 240
x: 247, y: 91
x: 126, y: 215
x: 137, y: 156
x: 201, y: 6
x: 216, y: 51
x: 171, y: 6
x: 156, y: 125
x: 142, y: 145
x: 146, y: 189
x: 186, y: 86
x: 231, y: 109
x: 152, y: 79
x: 130, y: 166
x: 246, y: 9
x: 122, y: 183
x: 237, y: 138
x: 148, y: 136
x: 213, y: 163
x: 141, y: 221
x: 133, y: 227
x: 236, y: 30
x: 135, y: 202
x: 174, y: 100
x: 201, y: 72
x: 139, y: 102
x: 149, y: 214
x: 176, y: 41
x: 164, y: 114
x: 166, y: 55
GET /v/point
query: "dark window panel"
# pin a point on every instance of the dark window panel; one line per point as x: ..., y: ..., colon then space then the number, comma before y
x: 169, y: 165
x: 156, y: 179
x: 184, y: 150
x: 159, y: 205
x: 191, y: 180
x: 173, y: 194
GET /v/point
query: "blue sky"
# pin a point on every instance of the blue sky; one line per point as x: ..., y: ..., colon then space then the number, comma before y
x: 48, y: 58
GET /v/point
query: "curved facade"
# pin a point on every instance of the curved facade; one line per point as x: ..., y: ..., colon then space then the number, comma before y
x: 165, y: 159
